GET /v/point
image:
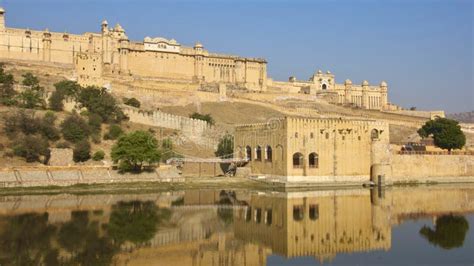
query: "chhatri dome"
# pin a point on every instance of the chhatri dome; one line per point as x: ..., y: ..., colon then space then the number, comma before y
x: 348, y: 82
x: 365, y: 83
x: 383, y: 84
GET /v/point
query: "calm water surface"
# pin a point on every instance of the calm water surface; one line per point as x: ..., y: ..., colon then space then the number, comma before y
x: 397, y: 226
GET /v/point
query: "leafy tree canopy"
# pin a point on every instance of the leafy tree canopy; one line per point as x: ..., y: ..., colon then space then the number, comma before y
x: 75, y: 129
x: 225, y: 148
x: 100, y: 102
x: 134, y: 149
x: 446, y: 133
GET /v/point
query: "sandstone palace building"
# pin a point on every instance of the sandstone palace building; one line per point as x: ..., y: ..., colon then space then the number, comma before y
x: 110, y: 53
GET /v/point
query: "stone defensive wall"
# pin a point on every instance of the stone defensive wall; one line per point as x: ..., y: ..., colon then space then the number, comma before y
x: 426, y: 168
x: 66, y: 176
x: 194, y: 129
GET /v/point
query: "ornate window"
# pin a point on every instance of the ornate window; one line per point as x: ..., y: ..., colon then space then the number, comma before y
x: 313, y: 160
x: 298, y: 160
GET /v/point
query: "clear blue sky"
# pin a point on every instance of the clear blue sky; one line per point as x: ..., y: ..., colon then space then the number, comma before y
x: 423, y: 49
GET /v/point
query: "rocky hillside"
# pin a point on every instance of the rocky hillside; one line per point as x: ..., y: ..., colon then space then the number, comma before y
x: 465, y: 117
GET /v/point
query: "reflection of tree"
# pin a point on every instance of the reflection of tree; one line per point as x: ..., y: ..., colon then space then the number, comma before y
x: 26, y: 240
x: 135, y: 221
x: 226, y: 214
x: 82, y: 238
x: 449, y: 232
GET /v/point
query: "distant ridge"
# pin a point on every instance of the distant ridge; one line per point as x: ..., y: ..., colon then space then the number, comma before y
x: 465, y: 117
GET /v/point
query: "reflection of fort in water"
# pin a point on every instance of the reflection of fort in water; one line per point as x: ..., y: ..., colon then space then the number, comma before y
x: 291, y: 224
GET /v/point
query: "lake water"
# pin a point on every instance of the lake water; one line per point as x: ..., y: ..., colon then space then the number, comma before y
x: 429, y: 225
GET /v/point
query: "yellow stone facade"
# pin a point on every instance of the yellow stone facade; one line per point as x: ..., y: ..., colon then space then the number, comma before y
x: 98, y: 57
x: 324, y: 85
x: 309, y: 149
x: 157, y: 58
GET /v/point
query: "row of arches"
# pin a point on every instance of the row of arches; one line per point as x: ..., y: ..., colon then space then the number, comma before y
x: 298, y: 160
x: 267, y: 152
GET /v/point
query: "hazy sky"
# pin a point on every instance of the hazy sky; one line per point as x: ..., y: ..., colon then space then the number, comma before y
x: 423, y: 49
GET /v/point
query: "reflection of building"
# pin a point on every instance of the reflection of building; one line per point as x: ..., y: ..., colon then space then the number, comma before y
x: 304, y: 149
x: 319, y: 224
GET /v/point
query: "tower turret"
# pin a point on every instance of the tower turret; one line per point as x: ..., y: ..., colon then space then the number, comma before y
x: 2, y: 19
x: 383, y: 94
x: 365, y: 94
x: 104, y: 27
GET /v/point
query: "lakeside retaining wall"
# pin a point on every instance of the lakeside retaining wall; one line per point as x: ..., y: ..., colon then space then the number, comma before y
x: 431, y: 167
x: 50, y: 176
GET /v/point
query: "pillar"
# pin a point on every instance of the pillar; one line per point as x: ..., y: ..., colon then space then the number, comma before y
x: 47, y: 46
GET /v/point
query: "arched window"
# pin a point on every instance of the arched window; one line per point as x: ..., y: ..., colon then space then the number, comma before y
x: 248, y: 153
x: 268, y: 155
x: 297, y: 160
x: 324, y: 86
x: 268, y: 217
x: 298, y: 212
x: 248, y: 214
x: 313, y: 159
x: 314, y: 212
x: 258, y: 153
x: 374, y: 134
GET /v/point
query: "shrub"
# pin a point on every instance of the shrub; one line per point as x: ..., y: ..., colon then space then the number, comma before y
x: 207, y: 117
x: 68, y: 88
x: 75, y: 129
x: 48, y: 128
x: 134, y: 149
x: 115, y: 131
x: 95, y: 122
x: 82, y: 151
x: 32, y: 148
x: 132, y: 102
x: 56, y: 101
x: 30, y: 98
x: 7, y: 92
x: 98, y: 155
x: 100, y: 102
x: 22, y: 122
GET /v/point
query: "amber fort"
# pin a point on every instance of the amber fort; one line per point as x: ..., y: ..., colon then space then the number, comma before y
x: 322, y: 130
x: 98, y: 56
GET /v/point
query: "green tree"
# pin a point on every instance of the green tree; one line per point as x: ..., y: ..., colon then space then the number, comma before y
x: 82, y: 151
x: 68, y: 88
x: 7, y: 91
x: 132, y: 102
x: 100, y: 102
x: 64, y: 88
x: 75, y: 129
x: 24, y: 122
x: 225, y: 148
x: 115, y: 131
x: 32, y: 148
x: 48, y: 128
x: 134, y: 149
x: 447, y: 133
x: 56, y: 101
x: 32, y: 96
x: 205, y: 117
x: 95, y: 122
x: 450, y: 232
